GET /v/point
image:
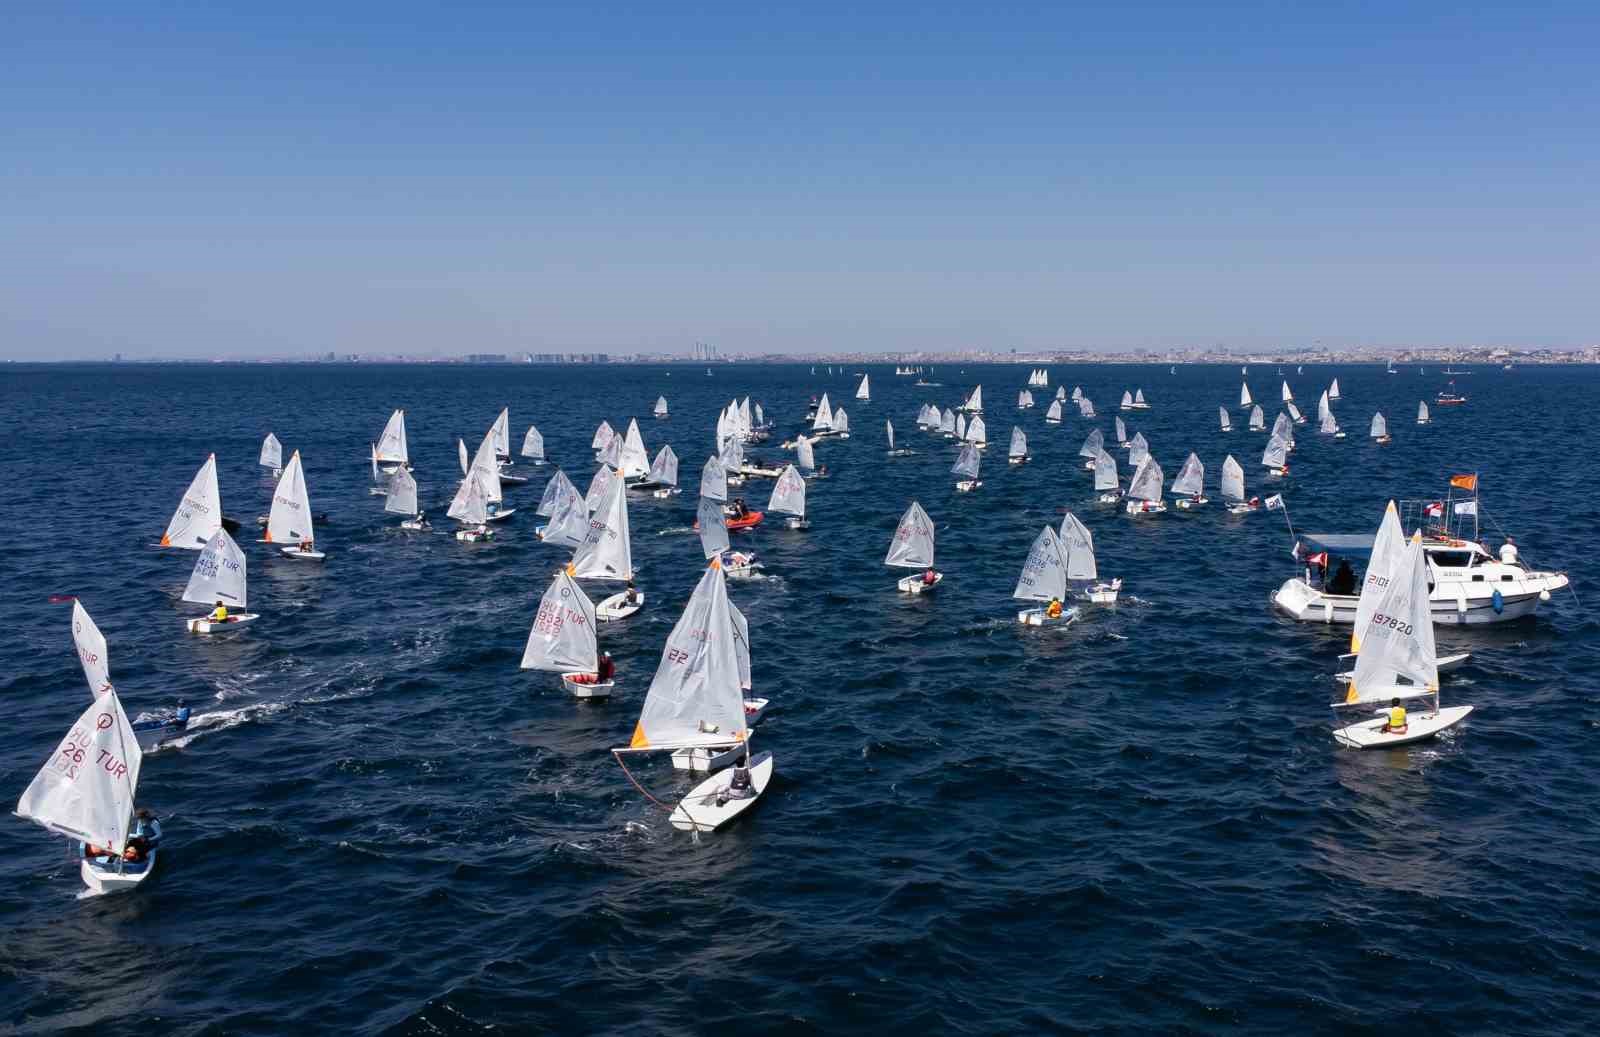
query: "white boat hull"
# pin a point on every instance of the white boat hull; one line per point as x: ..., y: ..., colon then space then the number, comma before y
x: 207, y: 625
x: 793, y: 522
x: 617, y: 607
x: 1041, y: 618
x: 586, y: 689
x: 705, y: 808
x: 754, y: 709
x: 1369, y: 734
x: 1018, y: 460
x: 916, y: 585
x: 475, y: 535
x: 1451, y: 603
x: 303, y: 556
x: 968, y: 485
x: 1190, y: 503
x: 501, y: 516
x: 103, y: 879
x: 1105, y: 593
x: 1145, y: 507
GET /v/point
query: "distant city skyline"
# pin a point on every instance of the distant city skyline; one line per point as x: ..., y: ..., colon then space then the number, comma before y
x: 296, y: 180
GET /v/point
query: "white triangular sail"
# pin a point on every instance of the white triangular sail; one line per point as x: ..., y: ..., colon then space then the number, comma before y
x: 664, y: 469
x: 961, y: 426
x: 975, y: 401
x: 219, y: 574
x: 863, y: 391
x: 714, y: 481
x: 1127, y: 399
x: 1053, y: 413
x: 569, y: 519
x: 823, y: 422
x: 558, y: 488
x: 85, y: 790
x: 500, y: 433
x: 977, y: 432
x: 1283, y: 428
x: 271, y: 452
x: 1138, y: 449
x: 841, y: 421
x: 1380, y: 428
x: 471, y: 503
x: 392, y: 447
x: 1388, y: 548
x: 1121, y: 428
x: 947, y: 421
x: 803, y: 454
x: 635, y: 460
x: 1191, y: 477
x: 402, y: 496
x: 1244, y: 396
x: 603, y: 434
x: 1019, y: 443
x: 1287, y: 395
x: 888, y: 428
x: 1138, y: 396
x: 562, y: 638
x: 1093, y: 443
x: 1147, y: 481
x: 1232, y: 480
x: 1223, y: 420
x: 91, y: 646
x: 1105, y: 472
x: 1258, y: 417
x: 1333, y: 390
x: 741, y: 644
x: 1294, y: 412
x: 1276, y: 455
x: 713, y: 527
x: 966, y: 462
x: 1328, y: 427
x: 1086, y: 407
x: 199, y: 513
x: 695, y: 698
x: 599, y: 486
x: 661, y: 407
x: 607, y: 552
x: 1324, y: 408
x: 486, y: 463
x: 789, y: 494
x: 1079, y: 542
x: 1044, y: 574
x: 533, y: 444
x: 912, y: 546
x: 1398, y: 658
x: 1422, y: 412
x: 289, y: 522
x: 610, y: 455
x: 461, y: 455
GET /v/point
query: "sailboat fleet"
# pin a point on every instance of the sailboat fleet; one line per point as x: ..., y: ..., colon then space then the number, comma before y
x: 699, y: 710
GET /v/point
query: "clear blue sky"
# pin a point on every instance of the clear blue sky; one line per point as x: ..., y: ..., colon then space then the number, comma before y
x: 182, y: 179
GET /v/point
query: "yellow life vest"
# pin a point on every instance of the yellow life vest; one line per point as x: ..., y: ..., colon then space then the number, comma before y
x: 1397, y: 718
x: 220, y: 613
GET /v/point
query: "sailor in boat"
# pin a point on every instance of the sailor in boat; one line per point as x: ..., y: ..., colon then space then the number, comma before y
x: 738, y: 787
x: 146, y: 836
x: 305, y: 547
x: 1508, y: 552
x: 1396, y: 724
x: 630, y: 596
x: 605, y: 672
x: 1053, y: 610
x: 929, y: 578
x: 220, y: 613
x: 1344, y: 579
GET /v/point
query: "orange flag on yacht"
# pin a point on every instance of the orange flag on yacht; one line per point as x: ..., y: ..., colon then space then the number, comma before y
x: 1464, y: 482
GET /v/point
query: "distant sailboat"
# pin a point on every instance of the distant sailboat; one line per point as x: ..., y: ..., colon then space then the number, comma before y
x: 1244, y: 397
x: 533, y: 446
x: 563, y: 639
x: 220, y: 578
x: 1422, y: 412
x: 1145, y: 489
x: 1276, y: 456
x: 967, y: 465
x: 1044, y: 578
x: 661, y: 407
x: 402, y: 500
x: 392, y: 451
x: 1258, y: 419
x: 1189, y: 486
x: 1052, y: 416
x: 1106, y: 481
x: 470, y: 507
x: 864, y: 390
x: 789, y: 498
x: 1093, y: 443
x: 1379, y: 429
x: 1333, y: 390
x: 888, y: 428
x: 1222, y: 416
x: 662, y: 480
x: 272, y: 455
x: 199, y: 513
x: 289, y: 524
x: 1082, y: 570
x: 1017, y: 453
x: 1233, y: 488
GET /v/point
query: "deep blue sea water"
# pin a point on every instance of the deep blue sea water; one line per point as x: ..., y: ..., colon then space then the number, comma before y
x: 1136, y: 824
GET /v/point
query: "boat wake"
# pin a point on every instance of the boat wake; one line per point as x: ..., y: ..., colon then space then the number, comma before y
x: 675, y: 531
x: 221, y: 720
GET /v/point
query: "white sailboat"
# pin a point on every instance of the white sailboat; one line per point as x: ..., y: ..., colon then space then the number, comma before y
x: 1052, y: 415
x: 1379, y: 430
x: 661, y: 407
x: 567, y: 511
x: 470, y: 507
x: 391, y: 448
x: 1121, y: 431
x: 1287, y: 394
x: 789, y: 498
x: 961, y: 429
x: 1085, y: 407
x: 714, y: 480
x: 804, y: 456
x: 1245, y: 402
x: 603, y: 435
x: 1144, y: 489
x: 1106, y: 481
x: 1333, y: 390
x: 864, y: 390
x: 912, y: 548
x: 1093, y: 444
x: 967, y: 465
x: 1422, y: 412
x: 695, y: 702
x: 607, y: 551
x: 1233, y: 489
x: 1082, y: 570
x: 500, y: 435
x: 978, y: 433
x: 1139, y: 400
x: 1222, y: 418
x: 199, y: 513
x: 974, y: 402
x: 272, y: 455
x: 85, y: 791
x: 663, y: 476
x: 1017, y: 452
x: 1258, y: 419
x: 402, y: 500
x: 486, y: 463
x: 888, y: 428
x: 533, y: 445
x: 563, y: 639
x: 289, y: 523
x: 822, y: 423
x: 1189, y: 486
x: 1044, y: 578
x: 948, y: 422
x: 634, y: 462
x: 1398, y: 661
x: 1294, y: 413
x: 841, y: 424
x: 705, y: 760
x: 1127, y: 401
x: 1138, y: 449
x: 219, y: 578
x: 1276, y: 456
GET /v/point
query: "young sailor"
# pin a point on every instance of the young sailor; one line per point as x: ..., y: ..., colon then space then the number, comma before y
x: 1396, y: 724
x: 220, y: 613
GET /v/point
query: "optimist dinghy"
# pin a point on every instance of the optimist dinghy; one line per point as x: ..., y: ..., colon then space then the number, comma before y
x: 1397, y: 661
x: 967, y: 465
x: 789, y: 498
x: 1144, y: 489
x: 1082, y: 571
x: 1189, y: 486
x: 470, y: 508
x: 912, y: 548
x: 1044, y: 578
x: 562, y: 639
x: 219, y: 576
